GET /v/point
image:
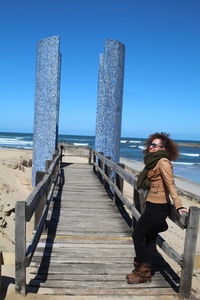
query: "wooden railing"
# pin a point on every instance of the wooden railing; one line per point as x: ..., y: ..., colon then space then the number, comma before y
x: 113, y: 175
x: 36, y: 205
x: 80, y: 151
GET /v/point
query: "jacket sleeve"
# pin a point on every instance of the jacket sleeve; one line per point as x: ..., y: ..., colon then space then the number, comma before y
x: 169, y: 183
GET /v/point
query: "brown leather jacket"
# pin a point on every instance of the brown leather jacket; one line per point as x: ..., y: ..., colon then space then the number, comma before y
x: 162, y: 184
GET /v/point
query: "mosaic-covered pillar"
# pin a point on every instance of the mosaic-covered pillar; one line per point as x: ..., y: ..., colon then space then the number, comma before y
x: 47, y: 100
x: 101, y: 109
x: 109, y: 100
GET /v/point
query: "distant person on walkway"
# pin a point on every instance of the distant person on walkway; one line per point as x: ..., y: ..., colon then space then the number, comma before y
x: 157, y: 178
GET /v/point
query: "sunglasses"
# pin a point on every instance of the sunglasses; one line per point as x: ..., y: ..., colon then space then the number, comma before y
x: 155, y: 145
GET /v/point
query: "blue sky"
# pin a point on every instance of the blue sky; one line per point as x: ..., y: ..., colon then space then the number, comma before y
x: 162, y: 64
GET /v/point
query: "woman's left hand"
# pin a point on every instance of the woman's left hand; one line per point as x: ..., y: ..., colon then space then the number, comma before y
x: 183, y: 210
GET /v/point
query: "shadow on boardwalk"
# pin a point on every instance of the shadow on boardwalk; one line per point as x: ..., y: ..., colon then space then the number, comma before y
x: 45, y: 262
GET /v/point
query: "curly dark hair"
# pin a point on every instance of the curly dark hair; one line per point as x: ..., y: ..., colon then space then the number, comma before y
x: 169, y: 145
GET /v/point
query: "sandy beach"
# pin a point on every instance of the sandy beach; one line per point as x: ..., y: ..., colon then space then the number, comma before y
x: 15, y: 185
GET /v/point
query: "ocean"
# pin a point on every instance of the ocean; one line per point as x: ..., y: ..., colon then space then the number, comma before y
x: 186, y: 166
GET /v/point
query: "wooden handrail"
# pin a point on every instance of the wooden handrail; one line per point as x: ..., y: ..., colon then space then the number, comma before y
x: 35, y: 197
x: 188, y: 221
x: 38, y: 201
x: 132, y: 180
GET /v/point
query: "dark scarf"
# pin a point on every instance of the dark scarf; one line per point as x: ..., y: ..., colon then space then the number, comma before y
x: 150, y: 160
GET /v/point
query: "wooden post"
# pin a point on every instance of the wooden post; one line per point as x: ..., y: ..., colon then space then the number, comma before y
x: 90, y: 156
x: 107, y: 172
x: 100, y: 165
x: 39, y: 209
x: 119, y: 181
x: 189, y: 252
x: 61, y: 153
x: 20, y: 247
x: 94, y: 161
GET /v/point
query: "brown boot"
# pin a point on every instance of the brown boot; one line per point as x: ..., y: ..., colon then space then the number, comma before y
x: 136, y: 264
x: 140, y: 275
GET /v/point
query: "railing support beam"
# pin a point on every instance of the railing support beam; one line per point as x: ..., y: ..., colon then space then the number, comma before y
x: 20, y: 247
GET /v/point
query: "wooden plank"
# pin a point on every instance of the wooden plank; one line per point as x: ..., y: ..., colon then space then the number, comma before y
x: 95, y: 240
x: 90, y: 233
x: 89, y: 225
x: 99, y: 291
x: 107, y: 227
x: 86, y: 252
x: 59, y: 236
x: 63, y: 246
x: 83, y: 268
x: 94, y: 277
x: 80, y: 260
x: 81, y: 284
x: 88, y: 215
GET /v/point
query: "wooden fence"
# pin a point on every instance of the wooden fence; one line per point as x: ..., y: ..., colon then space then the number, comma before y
x: 74, y: 151
x: 112, y: 175
x: 36, y: 205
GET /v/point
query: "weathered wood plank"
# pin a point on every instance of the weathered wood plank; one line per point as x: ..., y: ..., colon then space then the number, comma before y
x: 97, y: 284
x: 101, y: 235
x: 63, y: 246
x: 100, y: 291
x: 94, y: 277
x: 80, y: 259
x: 77, y: 269
x: 93, y: 240
x: 59, y: 256
x: 84, y: 268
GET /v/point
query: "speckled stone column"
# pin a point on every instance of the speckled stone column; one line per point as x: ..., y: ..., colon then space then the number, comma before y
x: 109, y: 99
x: 47, y: 100
x: 101, y: 109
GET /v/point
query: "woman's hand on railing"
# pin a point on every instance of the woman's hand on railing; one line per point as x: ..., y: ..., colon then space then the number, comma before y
x: 182, y: 210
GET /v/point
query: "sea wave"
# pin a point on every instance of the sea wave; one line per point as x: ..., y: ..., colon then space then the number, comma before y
x: 123, y: 142
x: 136, y: 142
x: 190, y: 154
x: 133, y: 146
x: 13, y: 141
x: 142, y: 147
x: 185, y: 163
x: 80, y: 144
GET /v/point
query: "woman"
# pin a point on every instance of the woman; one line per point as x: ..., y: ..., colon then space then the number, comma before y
x: 157, y: 177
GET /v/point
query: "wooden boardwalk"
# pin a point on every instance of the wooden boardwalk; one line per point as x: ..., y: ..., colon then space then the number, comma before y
x: 86, y: 248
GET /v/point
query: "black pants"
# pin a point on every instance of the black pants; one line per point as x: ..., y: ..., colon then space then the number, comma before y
x: 146, y: 231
